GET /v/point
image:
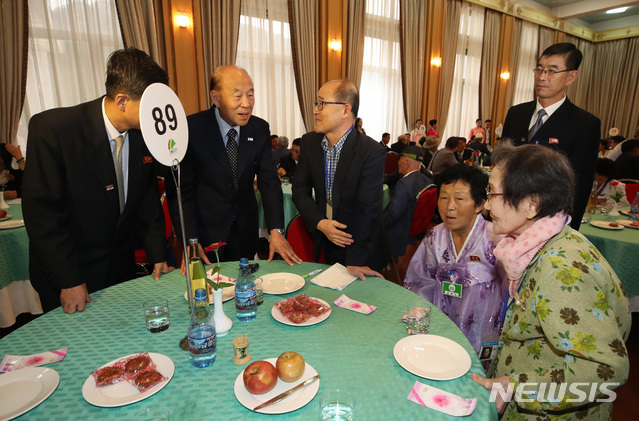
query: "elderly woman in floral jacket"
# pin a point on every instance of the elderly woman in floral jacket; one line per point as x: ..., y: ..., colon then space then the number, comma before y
x: 567, y: 315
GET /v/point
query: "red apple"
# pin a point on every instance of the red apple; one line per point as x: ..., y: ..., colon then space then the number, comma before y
x: 290, y: 366
x: 260, y: 377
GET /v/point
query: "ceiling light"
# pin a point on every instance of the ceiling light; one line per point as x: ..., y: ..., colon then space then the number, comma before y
x: 617, y: 10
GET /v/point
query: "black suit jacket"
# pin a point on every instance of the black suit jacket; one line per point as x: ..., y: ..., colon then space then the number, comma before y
x: 71, y: 207
x: 357, y: 196
x: 288, y: 164
x: 398, y: 147
x: 571, y: 130
x: 212, y: 207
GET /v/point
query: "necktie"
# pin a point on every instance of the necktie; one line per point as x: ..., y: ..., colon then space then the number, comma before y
x: 541, y: 113
x: 232, y: 151
x: 117, y: 162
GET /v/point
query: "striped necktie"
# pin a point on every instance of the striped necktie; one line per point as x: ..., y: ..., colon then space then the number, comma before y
x: 117, y: 162
x: 541, y: 113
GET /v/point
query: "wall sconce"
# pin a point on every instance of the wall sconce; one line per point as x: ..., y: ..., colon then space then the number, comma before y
x: 335, y: 45
x: 505, y: 76
x: 436, y: 61
x: 182, y: 20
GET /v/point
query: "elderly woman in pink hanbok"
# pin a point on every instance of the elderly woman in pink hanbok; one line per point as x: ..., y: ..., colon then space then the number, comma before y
x: 454, y: 267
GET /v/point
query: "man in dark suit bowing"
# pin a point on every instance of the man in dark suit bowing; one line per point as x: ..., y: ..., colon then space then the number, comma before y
x: 228, y: 147
x: 89, y: 182
x: 345, y: 168
x: 555, y: 122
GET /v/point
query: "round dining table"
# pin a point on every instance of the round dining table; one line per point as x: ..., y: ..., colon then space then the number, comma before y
x: 619, y: 246
x: 351, y: 351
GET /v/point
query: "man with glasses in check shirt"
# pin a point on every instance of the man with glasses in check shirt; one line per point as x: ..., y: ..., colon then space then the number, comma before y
x: 555, y: 122
x: 345, y: 168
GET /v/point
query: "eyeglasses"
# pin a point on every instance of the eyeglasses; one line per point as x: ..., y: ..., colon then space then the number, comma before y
x: 490, y: 194
x: 550, y: 72
x: 320, y: 104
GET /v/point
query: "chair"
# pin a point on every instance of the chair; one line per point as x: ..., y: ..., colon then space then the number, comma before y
x: 424, y: 211
x: 300, y: 237
x: 392, y: 163
x: 632, y: 188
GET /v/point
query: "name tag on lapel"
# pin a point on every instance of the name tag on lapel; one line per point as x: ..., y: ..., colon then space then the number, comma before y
x: 553, y: 140
x: 250, y: 139
x: 109, y: 187
x: 147, y: 160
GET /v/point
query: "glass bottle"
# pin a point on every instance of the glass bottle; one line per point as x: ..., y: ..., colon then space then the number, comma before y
x: 196, y: 269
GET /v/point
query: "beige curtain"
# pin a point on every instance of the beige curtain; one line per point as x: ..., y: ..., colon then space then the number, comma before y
x: 220, y: 22
x: 451, y: 34
x: 578, y: 92
x: 301, y: 18
x: 14, y: 47
x: 412, y: 41
x: 353, y: 46
x: 626, y: 100
x: 513, y: 64
x: 607, y: 71
x: 490, y: 53
x: 142, y: 27
x: 546, y: 38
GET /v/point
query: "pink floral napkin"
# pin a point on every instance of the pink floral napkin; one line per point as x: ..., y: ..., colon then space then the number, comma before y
x: 16, y: 362
x: 344, y: 302
x: 441, y: 401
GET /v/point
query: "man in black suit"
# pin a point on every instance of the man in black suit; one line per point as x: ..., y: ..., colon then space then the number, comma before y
x: 385, y: 141
x: 555, y: 122
x: 627, y: 165
x: 346, y: 169
x: 463, y: 153
x: 79, y: 209
x: 288, y: 163
x: 398, y: 215
x: 228, y: 147
x: 403, y: 140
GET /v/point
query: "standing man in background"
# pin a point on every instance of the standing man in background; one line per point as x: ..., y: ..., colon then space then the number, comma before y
x: 555, y: 122
x: 345, y: 168
x: 89, y: 183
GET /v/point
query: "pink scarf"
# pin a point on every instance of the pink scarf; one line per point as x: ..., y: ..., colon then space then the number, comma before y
x: 515, y: 254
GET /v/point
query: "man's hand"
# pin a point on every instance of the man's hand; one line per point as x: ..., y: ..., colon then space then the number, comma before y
x: 488, y: 384
x: 14, y: 151
x: 333, y: 231
x: 279, y: 244
x: 75, y: 298
x: 161, y: 267
x: 362, y: 271
x: 205, y: 260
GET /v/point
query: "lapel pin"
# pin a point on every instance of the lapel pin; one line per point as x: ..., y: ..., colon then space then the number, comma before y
x: 147, y: 159
x: 553, y: 140
x: 250, y: 139
x: 109, y: 187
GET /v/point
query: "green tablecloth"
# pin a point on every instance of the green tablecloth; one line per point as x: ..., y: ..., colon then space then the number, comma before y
x: 351, y: 351
x: 14, y: 251
x: 290, y: 210
x: 619, y: 247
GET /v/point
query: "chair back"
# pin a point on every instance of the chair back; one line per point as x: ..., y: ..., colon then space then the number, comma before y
x: 632, y: 188
x: 424, y: 210
x: 392, y: 163
x: 300, y: 237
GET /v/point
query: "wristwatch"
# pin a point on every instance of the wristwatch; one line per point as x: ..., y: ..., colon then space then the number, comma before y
x: 279, y: 231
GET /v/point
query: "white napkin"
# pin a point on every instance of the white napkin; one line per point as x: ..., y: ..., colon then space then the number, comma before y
x: 335, y: 277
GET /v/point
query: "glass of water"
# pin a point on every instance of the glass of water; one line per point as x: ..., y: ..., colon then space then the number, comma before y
x: 418, y: 317
x: 259, y: 291
x: 337, y: 405
x: 156, y: 313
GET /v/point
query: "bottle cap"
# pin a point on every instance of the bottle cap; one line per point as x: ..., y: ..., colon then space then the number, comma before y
x: 200, y: 294
x: 244, y: 262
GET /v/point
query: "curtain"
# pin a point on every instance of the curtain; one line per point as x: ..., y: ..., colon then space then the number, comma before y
x: 412, y: 41
x: 220, y: 27
x: 353, y: 45
x: 141, y: 25
x: 627, y: 98
x: 14, y: 37
x: 69, y: 43
x: 578, y: 91
x: 301, y: 16
x: 607, y: 73
x: 449, y: 49
x: 513, y: 64
x: 489, y: 70
x: 546, y: 39
x: 522, y: 75
x: 464, y: 100
x: 264, y: 50
x: 380, y: 104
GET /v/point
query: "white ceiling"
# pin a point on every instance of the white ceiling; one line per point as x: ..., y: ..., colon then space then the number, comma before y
x: 590, y: 13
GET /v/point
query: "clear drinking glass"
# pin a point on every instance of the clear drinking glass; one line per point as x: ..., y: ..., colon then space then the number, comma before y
x: 337, y: 405
x: 418, y: 317
x: 156, y: 313
x: 259, y: 292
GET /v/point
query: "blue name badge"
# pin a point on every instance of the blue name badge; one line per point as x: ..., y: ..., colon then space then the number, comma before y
x: 454, y: 290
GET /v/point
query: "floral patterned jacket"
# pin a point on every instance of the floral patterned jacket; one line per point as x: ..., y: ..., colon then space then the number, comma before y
x: 568, y: 334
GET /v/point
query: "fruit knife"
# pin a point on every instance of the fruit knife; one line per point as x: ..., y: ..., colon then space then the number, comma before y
x: 286, y: 394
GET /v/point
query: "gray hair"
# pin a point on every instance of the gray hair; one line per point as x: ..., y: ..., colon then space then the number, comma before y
x: 282, y: 141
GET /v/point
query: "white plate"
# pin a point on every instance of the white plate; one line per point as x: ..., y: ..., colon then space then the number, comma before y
x: 24, y: 389
x: 281, y: 283
x: 293, y: 402
x: 277, y: 315
x: 7, y: 216
x: 605, y: 225
x: 432, y: 357
x: 124, y: 393
x: 12, y: 224
x: 626, y: 223
x: 625, y: 212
